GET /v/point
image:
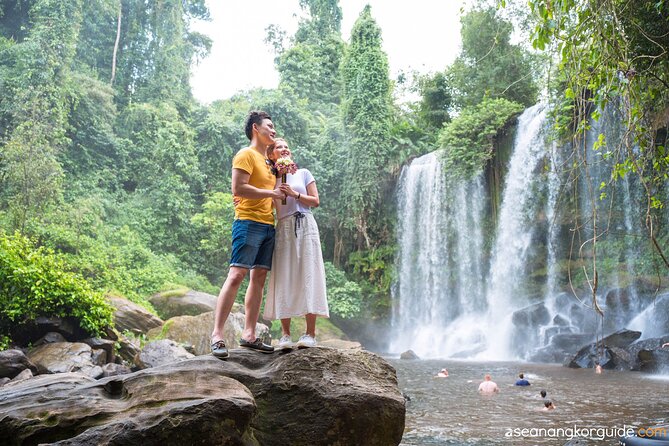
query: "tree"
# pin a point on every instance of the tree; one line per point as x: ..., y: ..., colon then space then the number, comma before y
x: 31, y: 172
x: 367, y: 112
x: 489, y: 65
x: 311, y: 66
x: 436, y: 101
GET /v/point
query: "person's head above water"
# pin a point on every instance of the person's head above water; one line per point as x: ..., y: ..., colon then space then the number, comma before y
x: 543, y: 394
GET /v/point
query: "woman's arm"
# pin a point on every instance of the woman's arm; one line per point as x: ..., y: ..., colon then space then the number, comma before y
x: 309, y: 199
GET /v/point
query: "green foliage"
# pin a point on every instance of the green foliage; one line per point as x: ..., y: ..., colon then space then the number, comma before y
x: 31, y: 175
x: 468, y: 139
x: 489, y: 65
x: 156, y: 50
x: 436, y: 101
x: 94, y: 151
x: 35, y: 282
x: 5, y: 342
x: 367, y: 112
x: 344, y: 296
x: 162, y: 174
x: 214, y: 224
x: 609, y: 52
x: 375, y: 267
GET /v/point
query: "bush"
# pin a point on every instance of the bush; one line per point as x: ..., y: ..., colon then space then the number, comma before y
x: 344, y: 296
x: 35, y: 282
x: 468, y: 139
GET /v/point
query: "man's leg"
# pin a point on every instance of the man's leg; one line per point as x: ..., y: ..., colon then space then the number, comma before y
x: 252, y: 301
x: 226, y: 298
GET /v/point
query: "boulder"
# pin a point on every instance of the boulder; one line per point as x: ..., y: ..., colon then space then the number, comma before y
x: 532, y: 316
x: 13, y: 362
x: 196, y: 331
x: 164, y: 351
x: 320, y: 396
x: 587, y: 356
x: 191, y: 303
x: 654, y: 361
x: 645, y: 344
x: 316, y: 396
x: 159, y: 406
x: 63, y: 357
x: 409, y: 354
x: 621, y: 339
x: 132, y: 317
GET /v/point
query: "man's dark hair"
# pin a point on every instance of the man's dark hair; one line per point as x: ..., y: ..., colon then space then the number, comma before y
x: 254, y: 117
x: 543, y: 394
x: 520, y: 376
x: 547, y: 403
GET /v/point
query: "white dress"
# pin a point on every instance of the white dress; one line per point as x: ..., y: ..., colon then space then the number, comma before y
x: 297, y: 280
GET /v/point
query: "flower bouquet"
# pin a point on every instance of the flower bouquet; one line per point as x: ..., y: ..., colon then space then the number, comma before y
x: 284, y: 166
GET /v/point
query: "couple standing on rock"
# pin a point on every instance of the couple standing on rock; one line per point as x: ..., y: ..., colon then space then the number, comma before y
x: 297, y: 283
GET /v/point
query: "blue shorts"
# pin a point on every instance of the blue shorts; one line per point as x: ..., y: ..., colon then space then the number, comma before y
x: 252, y: 244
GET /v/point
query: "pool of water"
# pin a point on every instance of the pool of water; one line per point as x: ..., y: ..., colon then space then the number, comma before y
x: 449, y: 411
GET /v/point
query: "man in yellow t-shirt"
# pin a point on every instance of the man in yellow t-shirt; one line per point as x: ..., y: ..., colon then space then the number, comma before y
x: 252, y: 234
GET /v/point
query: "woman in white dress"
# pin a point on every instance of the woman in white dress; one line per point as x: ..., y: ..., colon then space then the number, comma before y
x: 297, y: 280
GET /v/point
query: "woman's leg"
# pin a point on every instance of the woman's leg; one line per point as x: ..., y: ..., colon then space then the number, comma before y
x: 311, y: 324
x: 285, y: 327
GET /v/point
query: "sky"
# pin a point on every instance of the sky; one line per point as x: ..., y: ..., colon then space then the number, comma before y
x: 421, y: 35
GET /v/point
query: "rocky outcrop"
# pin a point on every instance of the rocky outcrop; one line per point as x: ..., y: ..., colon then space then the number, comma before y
x: 316, y: 396
x: 196, y: 331
x: 132, y: 317
x: 158, y: 406
x: 191, y: 303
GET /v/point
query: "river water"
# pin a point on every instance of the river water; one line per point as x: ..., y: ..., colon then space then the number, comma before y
x: 449, y: 411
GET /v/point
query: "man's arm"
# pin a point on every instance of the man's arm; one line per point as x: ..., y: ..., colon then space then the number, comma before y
x: 242, y: 188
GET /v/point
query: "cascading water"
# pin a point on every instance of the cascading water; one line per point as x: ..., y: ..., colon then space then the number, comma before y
x: 509, y: 269
x: 454, y: 297
x: 439, y: 292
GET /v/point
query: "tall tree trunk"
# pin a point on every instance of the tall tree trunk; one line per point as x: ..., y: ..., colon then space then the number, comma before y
x: 118, y: 38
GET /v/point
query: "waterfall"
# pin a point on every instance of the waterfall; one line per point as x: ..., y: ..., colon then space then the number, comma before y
x: 439, y: 290
x: 503, y: 293
x: 515, y: 232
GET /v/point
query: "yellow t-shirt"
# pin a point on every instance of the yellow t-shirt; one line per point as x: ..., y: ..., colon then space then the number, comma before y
x: 255, y: 209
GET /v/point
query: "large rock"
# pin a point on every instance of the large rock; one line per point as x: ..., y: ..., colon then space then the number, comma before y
x: 191, y: 303
x: 647, y: 345
x: 13, y: 362
x: 63, y: 357
x: 163, y: 406
x: 316, y: 396
x: 196, y: 331
x: 654, y: 361
x: 321, y: 396
x: 621, y: 339
x: 132, y: 317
